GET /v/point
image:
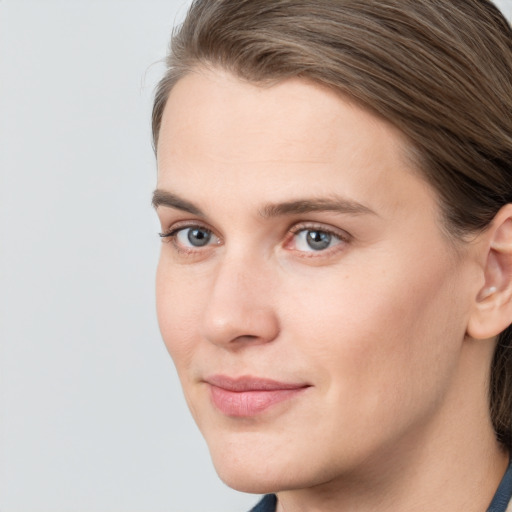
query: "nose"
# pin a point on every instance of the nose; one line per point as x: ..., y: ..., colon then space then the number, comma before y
x: 239, y: 309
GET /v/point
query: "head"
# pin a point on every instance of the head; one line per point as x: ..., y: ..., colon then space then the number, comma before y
x: 429, y: 83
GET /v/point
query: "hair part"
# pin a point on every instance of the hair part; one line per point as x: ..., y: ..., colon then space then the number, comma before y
x: 439, y: 70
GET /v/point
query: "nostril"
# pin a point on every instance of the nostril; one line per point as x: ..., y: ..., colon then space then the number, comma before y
x: 251, y: 338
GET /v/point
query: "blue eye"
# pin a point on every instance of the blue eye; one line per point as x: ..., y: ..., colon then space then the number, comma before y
x: 191, y: 237
x: 197, y: 237
x: 308, y: 240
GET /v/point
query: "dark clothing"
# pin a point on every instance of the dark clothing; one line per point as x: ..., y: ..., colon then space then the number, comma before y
x: 502, y: 501
x: 267, y: 504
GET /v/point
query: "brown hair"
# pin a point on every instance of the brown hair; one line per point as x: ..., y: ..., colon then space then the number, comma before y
x: 439, y: 70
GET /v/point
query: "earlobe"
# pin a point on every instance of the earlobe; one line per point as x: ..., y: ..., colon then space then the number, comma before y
x: 492, y: 312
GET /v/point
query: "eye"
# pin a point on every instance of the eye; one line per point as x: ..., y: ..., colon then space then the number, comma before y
x: 313, y: 240
x: 191, y: 237
x: 196, y: 237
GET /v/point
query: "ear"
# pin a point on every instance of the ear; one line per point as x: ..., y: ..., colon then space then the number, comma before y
x: 492, y: 312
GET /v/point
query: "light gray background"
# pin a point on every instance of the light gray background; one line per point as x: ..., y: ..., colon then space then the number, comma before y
x: 91, y: 415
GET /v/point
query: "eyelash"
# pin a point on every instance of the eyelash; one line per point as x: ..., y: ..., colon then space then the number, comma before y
x: 342, y: 237
x: 172, y: 234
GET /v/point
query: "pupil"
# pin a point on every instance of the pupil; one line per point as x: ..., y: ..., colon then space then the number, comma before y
x: 198, y: 237
x: 318, y: 240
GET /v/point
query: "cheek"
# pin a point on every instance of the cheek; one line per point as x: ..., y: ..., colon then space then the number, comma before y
x: 178, y: 302
x: 390, y: 337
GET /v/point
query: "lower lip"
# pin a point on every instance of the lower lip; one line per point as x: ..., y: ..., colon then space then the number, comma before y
x: 249, y: 403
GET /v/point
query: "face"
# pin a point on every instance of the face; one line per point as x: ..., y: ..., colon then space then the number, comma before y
x: 305, y: 288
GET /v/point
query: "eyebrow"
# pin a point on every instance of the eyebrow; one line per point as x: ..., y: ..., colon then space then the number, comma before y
x: 332, y: 203
x: 170, y: 200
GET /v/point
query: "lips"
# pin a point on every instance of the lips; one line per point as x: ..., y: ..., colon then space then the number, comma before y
x: 249, y: 396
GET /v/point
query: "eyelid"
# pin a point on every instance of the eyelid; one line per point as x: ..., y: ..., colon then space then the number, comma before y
x: 316, y: 226
x: 184, y: 224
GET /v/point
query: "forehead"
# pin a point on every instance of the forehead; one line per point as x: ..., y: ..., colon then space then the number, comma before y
x: 296, y: 110
x: 217, y: 128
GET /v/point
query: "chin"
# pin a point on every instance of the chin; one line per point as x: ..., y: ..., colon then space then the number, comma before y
x: 257, y: 472
x: 253, y: 480
x: 251, y: 484
x: 262, y: 471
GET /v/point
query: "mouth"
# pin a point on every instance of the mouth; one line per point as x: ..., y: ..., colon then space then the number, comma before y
x: 249, y: 396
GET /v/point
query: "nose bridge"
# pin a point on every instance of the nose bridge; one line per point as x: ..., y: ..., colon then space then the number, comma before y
x: 240, y: 304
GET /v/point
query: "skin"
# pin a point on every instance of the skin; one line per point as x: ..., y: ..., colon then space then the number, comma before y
x: 396, y: 403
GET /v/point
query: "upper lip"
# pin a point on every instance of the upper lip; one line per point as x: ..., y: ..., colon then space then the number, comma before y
x: 250, y: 383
